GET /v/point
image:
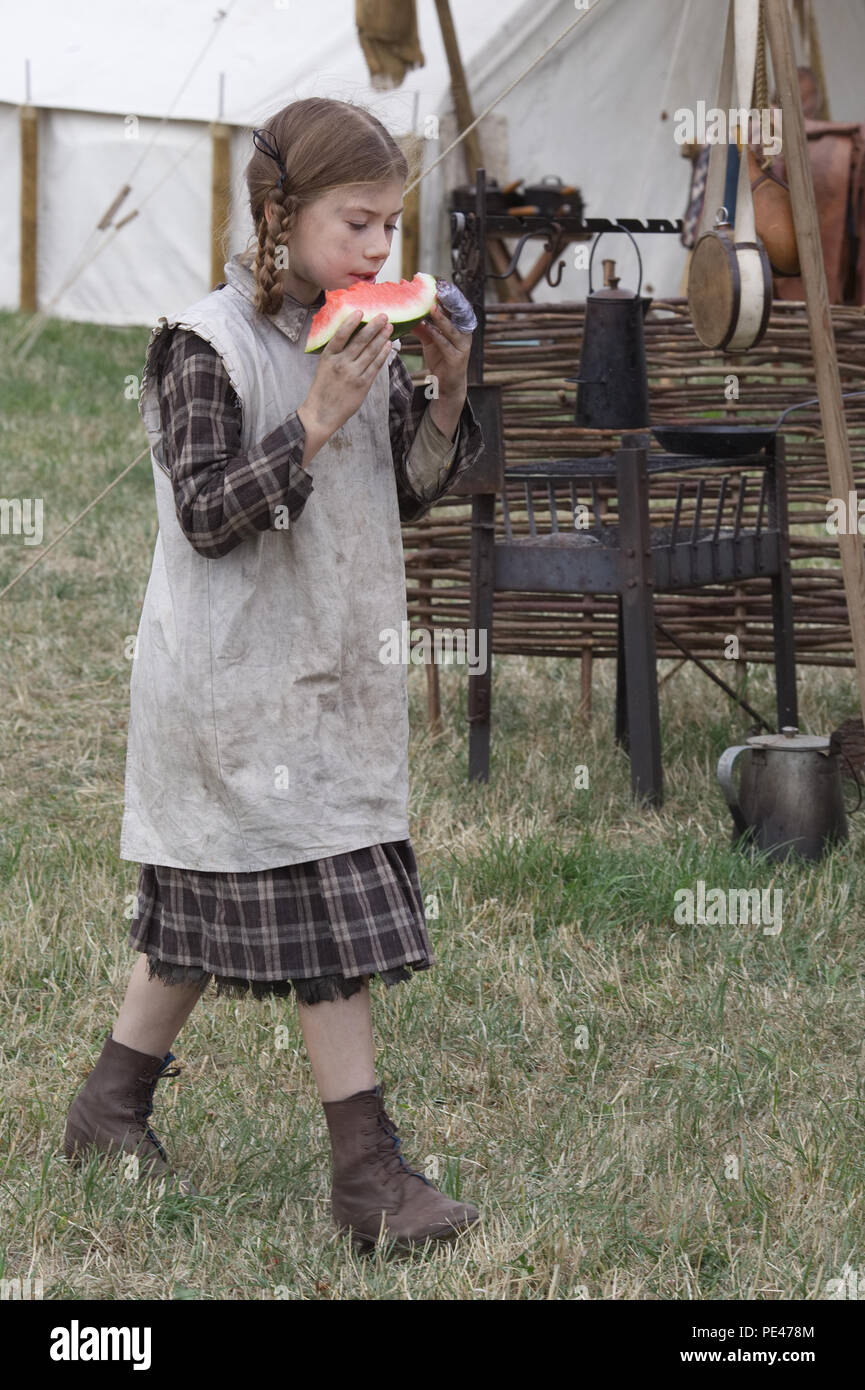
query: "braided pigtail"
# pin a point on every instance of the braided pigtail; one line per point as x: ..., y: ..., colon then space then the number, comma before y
x: 273, y: 234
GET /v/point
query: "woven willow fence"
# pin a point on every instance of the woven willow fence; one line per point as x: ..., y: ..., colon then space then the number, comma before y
x: 529, y: 349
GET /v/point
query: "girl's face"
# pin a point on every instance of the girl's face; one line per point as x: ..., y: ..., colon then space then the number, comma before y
x: 345, y: 235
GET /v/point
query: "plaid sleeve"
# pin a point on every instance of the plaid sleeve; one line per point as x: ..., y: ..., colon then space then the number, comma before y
x: 426, y: 463
x: 222, y: 496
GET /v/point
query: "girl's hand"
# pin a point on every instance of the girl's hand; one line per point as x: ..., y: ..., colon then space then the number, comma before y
x: 445, y: 352
x: 345, y: 372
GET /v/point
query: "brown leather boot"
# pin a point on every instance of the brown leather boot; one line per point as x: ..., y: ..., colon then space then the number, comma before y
x: 110, y: 1112
x: 371, y: 1177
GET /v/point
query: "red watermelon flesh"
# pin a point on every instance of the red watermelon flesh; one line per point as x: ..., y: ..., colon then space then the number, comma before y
x: 406, y: 303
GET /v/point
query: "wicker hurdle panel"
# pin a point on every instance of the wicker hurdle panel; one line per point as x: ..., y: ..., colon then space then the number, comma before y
x: 530, y: 351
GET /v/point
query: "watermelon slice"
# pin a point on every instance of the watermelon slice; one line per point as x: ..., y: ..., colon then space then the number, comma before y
x: 405, y: 302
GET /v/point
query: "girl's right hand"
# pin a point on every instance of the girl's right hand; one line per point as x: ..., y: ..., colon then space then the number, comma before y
x: 347, y: 370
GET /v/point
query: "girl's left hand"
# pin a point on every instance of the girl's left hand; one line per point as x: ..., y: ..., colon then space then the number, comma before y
x: 445, y: 352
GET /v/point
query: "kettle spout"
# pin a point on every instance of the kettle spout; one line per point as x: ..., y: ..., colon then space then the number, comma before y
x: 645, y: 304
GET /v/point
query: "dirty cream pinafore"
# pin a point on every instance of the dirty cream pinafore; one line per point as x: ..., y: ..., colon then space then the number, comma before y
x: 264, y: 731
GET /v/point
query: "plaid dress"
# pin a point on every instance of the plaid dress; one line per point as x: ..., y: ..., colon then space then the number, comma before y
x: 316, y: 927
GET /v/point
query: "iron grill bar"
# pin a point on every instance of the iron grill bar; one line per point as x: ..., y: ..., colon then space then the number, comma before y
x: 574, y: 504
x: 554, y: 520
x: 675, y: 530
x: 530, y: 508
x: 506, y: 513
x: 740, y: 502
x: 697, y: 510
x: 596, y: 503
x: 719, y: 512
x: 763, y: 488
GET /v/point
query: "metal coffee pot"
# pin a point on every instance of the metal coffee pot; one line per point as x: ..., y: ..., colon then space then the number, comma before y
x: 613, y: 384
x: 790, y: 797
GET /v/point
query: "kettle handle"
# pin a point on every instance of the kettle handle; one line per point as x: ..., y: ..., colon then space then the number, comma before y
x: 636, y: 248
x: 725, y: 777
x: 852, y: 810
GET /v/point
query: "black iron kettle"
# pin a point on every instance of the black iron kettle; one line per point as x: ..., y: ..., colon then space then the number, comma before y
x: 613, y: 384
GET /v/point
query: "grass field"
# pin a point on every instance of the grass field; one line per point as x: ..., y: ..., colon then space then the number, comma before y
x: 642, y: 1109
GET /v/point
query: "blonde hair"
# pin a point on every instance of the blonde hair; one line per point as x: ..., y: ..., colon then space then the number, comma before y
x: 323, y: 145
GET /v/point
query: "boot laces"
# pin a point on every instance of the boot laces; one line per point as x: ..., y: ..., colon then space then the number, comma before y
x: 390, y: 1130
x: 144, y: 1110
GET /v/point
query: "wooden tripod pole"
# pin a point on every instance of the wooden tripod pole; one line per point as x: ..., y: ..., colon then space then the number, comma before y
x: 496, y: 249
x: 828, y: 378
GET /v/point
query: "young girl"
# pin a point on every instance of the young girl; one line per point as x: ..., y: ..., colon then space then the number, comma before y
x: 267, y: 761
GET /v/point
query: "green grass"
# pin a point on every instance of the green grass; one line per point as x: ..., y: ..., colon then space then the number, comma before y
x: 641, y: 1109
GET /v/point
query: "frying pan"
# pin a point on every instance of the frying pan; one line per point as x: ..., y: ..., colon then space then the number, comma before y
x: 726, y: 441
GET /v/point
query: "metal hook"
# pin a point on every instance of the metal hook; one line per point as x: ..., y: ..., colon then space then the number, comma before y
x: 513, y: 261
x: 553, y: 245
x: 554, y: 233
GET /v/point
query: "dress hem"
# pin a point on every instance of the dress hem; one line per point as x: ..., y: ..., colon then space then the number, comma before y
x: 309, y: 989
x: 370, y: 838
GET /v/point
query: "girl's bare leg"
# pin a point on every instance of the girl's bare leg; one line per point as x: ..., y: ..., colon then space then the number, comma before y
x: 338, y: 1037
x: 153, y: 1013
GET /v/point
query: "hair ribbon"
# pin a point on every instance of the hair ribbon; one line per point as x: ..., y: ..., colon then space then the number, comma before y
x: 263, y: 140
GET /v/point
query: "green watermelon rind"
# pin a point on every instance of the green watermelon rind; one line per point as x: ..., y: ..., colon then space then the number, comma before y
x: 425, y: 293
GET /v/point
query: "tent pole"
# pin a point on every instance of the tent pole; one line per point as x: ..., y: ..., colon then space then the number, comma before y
x: 220, y: 198
x: 496, y: 249
x: 826, y: 372
x: 411, y: 145
x: 29, y: 129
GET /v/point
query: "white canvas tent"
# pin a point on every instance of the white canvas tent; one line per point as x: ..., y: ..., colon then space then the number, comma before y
x: 108, y: 76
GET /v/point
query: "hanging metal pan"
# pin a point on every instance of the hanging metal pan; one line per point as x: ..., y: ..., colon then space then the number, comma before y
x: 707, y: 441
x: 727, y: 441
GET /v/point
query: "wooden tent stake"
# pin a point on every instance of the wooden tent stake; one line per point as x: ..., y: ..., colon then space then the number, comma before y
x: 819, y: 316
